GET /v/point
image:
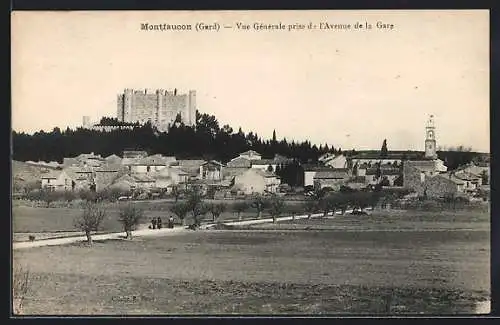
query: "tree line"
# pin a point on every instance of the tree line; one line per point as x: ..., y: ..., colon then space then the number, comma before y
x: 207, y: 140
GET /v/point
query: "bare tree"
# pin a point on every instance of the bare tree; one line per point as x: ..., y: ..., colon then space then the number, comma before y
x: 276, y: 208
x: 196, y: 206
x: 260, y: 204
x: 130, y: 217
x: 181, y: 210
x: 310, y: 206
x: 240, y: 207
x: 20, y: 287
x: 49, y: 196
x: 176, y: 192
x: 90, y: 220
x: 216, y: 210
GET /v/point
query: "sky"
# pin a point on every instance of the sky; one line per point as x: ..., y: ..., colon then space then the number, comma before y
x: 348, y: 88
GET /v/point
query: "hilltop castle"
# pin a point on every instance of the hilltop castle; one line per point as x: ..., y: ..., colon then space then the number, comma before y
x: 160, y: 107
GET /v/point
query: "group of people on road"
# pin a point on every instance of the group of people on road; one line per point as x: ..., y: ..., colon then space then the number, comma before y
x: 156, y: 223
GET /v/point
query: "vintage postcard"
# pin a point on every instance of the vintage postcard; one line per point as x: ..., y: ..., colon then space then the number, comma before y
x: 250, y: 163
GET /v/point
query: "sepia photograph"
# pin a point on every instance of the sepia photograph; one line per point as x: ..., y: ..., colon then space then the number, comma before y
x: 250, y: 163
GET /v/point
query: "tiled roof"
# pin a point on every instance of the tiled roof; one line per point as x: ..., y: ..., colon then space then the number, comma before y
x: 191, y: 162
x: 250, y: 153
x: 52, y: 174
x: 316, y: 168
x: 449, y: 176
x: 333, y: 174
x: 466, y: 176
x: 142, y: 178
x: 214, y: 162
x: 239, y: 162
x: 263, y: 162
x: 113, y: 157
x: 423, y: 165
x: 150, y: 161
x: 109, y: 168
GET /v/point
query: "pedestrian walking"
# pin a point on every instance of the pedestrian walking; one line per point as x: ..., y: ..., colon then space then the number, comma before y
x: 159, y: 223
x: 171, y: 222
x: 153, y: 223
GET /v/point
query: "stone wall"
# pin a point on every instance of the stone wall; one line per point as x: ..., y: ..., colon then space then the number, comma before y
x: 439, y: 186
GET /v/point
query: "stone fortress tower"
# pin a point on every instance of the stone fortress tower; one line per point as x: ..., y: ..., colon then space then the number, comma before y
x: 160, y: 107
x: 430, y: 139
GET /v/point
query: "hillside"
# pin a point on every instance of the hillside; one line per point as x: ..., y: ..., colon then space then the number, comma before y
x: 25, y: 175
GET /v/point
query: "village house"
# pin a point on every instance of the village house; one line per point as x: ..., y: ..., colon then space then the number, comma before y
x: 264, y: 164
x: 250, y: 155
x: 113, y: 160
x: 441, y: 185
x: 124, y: 184
x: 170, y: 176
x: 57, y: 180
x: 471, y: 181
x: 310, y: 171
x: 239, y: 162
x: 211, y: 170
x: 105, y: 175
x: 190, y: 166
x: 256, y: 181
x: 82, y: 178
x: 147, y: 165
x: 333, y: 178
x: 388, y: 174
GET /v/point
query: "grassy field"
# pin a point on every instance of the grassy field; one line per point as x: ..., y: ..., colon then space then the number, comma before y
x: 272, y: 270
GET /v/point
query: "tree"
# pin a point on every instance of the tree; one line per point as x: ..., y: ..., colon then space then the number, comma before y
x: 195, y: 205
x: 383, y: 150
x: 90, y: 220
x: 260, y: 204
x: 310, y: 206
x: 276, y: 208
x: 216, y: 209
x: 176, y: 192
x: 240, y: 207
x: 130, y: 217
x: 329, y: 203
x: 180, y: 209
x: 49, y: 196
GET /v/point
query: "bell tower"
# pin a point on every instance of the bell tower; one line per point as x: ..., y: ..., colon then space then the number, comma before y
x: 430, y: 139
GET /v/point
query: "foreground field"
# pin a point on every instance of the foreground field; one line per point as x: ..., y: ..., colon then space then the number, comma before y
x: 269, y: 271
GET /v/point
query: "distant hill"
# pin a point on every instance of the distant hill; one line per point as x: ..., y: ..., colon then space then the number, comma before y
x: 26, y: 175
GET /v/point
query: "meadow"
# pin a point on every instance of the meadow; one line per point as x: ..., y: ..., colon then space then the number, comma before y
x: 322, y: 266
